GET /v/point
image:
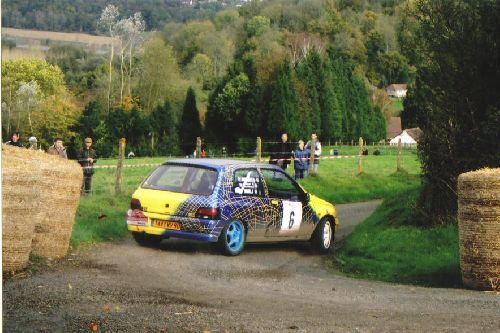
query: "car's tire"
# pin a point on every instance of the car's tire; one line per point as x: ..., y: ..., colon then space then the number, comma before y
x: 232, y: 238
x: 144, y: 239
x: 323, y: 236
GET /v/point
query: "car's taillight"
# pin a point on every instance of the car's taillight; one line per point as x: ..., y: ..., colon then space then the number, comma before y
x: 135, y: 204
x: 207, y: 213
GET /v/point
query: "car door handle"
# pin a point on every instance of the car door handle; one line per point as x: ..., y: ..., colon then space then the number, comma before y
x: 274, y: 202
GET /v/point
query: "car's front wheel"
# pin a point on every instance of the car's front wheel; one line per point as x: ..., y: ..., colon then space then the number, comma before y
x: 323, y: 235
x: 232, y: 238
x: 144, y: 239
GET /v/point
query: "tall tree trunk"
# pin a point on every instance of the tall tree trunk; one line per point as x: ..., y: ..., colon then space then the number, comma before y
x: 110, y: 71
x: 122, y: 79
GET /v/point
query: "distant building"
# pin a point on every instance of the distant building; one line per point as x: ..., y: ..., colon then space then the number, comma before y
x: 409, y: 137
x: 394, y: 127
x: 397, y: 90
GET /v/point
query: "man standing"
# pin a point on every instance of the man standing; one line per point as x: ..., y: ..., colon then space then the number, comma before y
x: 314, y: 146
x: 58, y: 149
x: 87, y: 157
x: 282, y: 153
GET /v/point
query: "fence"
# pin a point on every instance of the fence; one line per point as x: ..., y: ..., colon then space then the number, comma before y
x: 110, y: 179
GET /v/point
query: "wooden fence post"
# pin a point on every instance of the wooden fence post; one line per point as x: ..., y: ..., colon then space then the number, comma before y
x: 119, y: 166
x: 398, y: 158
x: 360, y: 156
x: 313, y: 157
x: 198, y: 147
x: 258, y: 150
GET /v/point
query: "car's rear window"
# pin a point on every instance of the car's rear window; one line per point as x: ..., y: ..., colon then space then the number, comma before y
x: 182, y: 179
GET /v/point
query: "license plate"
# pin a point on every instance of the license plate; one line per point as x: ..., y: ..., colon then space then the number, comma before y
x: 167, y: 224
x: 137, y: 221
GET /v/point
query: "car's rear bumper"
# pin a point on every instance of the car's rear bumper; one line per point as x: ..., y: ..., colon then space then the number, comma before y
x: 211, y: 230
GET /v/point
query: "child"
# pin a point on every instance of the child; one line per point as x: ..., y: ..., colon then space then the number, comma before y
x: 300, y: 160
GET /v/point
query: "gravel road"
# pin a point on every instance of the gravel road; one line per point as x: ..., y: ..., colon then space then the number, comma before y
x: 185, y: 286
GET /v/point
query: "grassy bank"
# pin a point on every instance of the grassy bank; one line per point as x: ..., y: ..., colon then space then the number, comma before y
x: 389, y: 247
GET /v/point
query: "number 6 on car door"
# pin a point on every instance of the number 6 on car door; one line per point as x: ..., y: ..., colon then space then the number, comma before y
x: 292, y: 216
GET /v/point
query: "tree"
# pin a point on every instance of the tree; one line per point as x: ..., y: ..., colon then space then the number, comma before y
x: 160, y: 76
x: 26, y: 84
x: 459, y: 44
x: 283, y: 115
x: 107, y: 21
x: 164, y: 124
x: 27, y: 98
x: 190, y: 126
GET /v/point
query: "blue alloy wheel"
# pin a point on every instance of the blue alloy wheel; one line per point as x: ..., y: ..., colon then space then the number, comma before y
x: 232, y: 238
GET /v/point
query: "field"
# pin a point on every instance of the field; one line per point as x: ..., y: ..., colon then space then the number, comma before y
x: 34, y: 43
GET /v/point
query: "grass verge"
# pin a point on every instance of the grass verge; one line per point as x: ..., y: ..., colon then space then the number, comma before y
x: 388, y: 246
x: 100, y: 218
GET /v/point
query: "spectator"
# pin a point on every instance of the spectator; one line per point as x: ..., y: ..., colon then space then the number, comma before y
x: 316, y: 150
x: 87, y: 157
x: 281, y: 155
x: 58, y: 149
x: 300, y: 160
x: 15, y: 140
x: 33, y: 143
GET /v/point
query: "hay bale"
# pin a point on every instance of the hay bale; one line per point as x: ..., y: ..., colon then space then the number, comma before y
x: 58, y: 184
x: 479, y: 228
x: 20, y: 207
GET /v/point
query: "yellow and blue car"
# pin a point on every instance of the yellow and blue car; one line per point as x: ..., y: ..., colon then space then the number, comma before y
x: 228, y: 202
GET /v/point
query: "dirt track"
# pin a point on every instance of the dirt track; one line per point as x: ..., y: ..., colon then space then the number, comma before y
x: 185, y: 286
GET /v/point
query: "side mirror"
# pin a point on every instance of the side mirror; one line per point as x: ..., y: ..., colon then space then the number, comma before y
x: 305, y: 197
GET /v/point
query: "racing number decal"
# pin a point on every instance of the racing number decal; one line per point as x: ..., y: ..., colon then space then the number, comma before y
x: 292, y: 216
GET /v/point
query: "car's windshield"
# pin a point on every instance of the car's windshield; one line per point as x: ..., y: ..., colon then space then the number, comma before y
x: 182, y: 179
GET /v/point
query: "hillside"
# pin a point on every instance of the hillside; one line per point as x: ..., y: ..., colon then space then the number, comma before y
x: 80, y: 15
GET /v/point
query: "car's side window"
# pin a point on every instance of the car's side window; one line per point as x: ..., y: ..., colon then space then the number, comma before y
x: 247, y: 182
x: 279, y: 185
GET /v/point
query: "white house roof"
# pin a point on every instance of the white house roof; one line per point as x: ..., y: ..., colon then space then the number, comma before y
x: 406, y: 139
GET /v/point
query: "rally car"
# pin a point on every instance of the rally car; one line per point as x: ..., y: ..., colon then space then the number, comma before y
x: 228, y: 202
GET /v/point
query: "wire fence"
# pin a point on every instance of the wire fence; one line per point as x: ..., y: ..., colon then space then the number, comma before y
x: 135, y: 169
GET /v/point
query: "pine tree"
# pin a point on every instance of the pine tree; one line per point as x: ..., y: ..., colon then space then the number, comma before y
x: 190, y: 126
x: 165, y: 138
x: 283, y: 105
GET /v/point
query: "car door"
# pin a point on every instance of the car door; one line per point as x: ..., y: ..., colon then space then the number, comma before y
x: 248, y: 203
x: 286, y: 196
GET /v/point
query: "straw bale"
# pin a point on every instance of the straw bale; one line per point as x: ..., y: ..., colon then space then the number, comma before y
x: 60, y: 182
x: 479, y: 228
x: 20, y: 207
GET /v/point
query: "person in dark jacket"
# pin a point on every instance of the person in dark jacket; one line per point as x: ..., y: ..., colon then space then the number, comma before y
x: 15, y: 140
x: 282, y: 153
x: 301, y: 160
x: 87, y: 158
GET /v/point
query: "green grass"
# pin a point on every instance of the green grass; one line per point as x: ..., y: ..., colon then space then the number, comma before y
x: 388, y: 246
x: 338, y: 180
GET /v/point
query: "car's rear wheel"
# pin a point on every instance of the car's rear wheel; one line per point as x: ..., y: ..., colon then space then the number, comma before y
x: 232, y: 238
x: 144, y: 239
x: 323, y: 235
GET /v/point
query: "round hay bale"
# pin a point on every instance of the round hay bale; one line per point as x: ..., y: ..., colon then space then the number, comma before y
x: 20, y: 207
x: 479, y: 228
x: 60, y: 184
